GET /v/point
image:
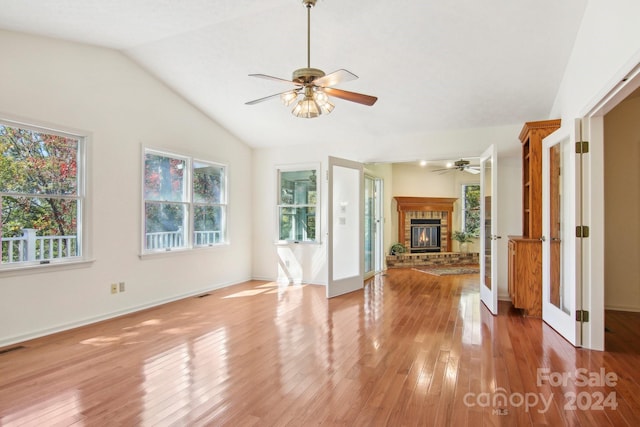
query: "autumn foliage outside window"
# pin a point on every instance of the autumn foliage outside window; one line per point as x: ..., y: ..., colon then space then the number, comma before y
x: 184, y: 202
x: 41, y: 194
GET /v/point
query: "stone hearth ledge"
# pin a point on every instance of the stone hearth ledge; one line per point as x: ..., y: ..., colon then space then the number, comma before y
x: 432, y: 258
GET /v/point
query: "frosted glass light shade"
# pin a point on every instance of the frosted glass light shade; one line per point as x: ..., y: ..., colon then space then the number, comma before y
x: 307, y: 108
x: 288, y: 98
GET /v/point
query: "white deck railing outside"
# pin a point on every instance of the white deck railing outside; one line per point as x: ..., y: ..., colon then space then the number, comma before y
x: 30, y: 247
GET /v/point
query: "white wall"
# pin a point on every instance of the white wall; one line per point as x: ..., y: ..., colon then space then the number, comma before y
x: 121, y: 106
x: 453, y: 144
x: 605, y: 51
x: 606, y: 48
x: 622, y: 204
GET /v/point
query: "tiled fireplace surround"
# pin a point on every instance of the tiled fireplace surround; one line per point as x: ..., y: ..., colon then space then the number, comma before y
x: 427, y: 208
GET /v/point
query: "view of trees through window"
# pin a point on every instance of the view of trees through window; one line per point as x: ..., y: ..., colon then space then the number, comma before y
x: 40, y: 194
x: 297, y: 205
x: 184, y: 202
x: 471, y: 209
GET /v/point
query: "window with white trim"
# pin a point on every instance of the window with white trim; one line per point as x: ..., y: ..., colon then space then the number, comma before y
x: 471, y: 209
x: 41, y: 195
x: 185, y: 202
x: 298, y: 205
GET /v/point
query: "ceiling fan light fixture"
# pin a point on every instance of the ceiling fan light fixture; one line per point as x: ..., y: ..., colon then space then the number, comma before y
x: 307, y: 108
x: 320, y: 97
x: 323, y: 101
x: 314, y: 85
x: 327, y: 107
x: 288, y: 98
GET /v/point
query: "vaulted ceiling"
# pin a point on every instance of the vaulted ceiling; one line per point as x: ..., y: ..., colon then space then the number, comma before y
x: 434, y: 65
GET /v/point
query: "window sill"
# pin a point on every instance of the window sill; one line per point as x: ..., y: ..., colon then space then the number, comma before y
x: 181, y: 251
x: 17, y: 270
x: 294, y: 242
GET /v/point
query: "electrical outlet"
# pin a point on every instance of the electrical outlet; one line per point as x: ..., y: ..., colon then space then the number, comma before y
x: 114, y: 288
x: 121, y: 286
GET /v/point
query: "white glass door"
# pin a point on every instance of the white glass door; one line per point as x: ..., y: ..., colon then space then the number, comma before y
x: 561, y: 254
x: 373, y: 246
x: 346, y: 227
x: 369, y: 226
x: 489, y: 229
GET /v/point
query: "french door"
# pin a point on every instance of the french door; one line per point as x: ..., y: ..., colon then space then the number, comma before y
x: 346, y: 227
x: 561, y: 248
x: 373, y: 249
x: 489, y: 229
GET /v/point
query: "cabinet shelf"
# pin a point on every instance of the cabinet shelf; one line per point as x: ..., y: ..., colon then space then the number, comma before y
x: 525, y: 252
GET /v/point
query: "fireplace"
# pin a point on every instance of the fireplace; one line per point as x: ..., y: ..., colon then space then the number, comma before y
x: 425, y: 235
x: 439, y: 209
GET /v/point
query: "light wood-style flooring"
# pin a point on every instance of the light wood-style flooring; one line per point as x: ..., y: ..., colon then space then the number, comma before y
x: 409, y: 349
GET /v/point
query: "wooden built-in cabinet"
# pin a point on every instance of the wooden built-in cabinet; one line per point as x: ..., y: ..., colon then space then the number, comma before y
x: 525, y: 252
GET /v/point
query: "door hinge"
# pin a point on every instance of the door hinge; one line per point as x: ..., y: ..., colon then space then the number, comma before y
x: 582, y: 316
x: 582, y: 147
x: 582, y: 231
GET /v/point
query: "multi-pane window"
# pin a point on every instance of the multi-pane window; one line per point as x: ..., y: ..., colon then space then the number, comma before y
x: 41, y: 194
x: 471, y: 209
x: 185, y: 202
x: 297, y: 205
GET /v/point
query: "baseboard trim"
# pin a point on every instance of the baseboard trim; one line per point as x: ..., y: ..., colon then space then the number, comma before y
x: 622, y: 308
x: 112, y: 315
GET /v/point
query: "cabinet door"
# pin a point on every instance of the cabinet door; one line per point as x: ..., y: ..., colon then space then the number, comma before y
x: 512, y: 271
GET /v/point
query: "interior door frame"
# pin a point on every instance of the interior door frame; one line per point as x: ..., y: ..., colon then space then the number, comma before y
x: 489, y: 296
x: 336, y: 287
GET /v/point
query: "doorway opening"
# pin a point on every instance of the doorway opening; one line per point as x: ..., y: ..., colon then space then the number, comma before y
x: 621, y: 228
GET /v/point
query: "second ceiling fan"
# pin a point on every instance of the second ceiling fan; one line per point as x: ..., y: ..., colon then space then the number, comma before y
x: 461, y: 165
x: 313, y: 86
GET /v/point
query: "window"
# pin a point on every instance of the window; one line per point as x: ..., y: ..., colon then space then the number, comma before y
x: 41, y: 194
x: 298, y: 205
x: 471, y: 209
x: 184, y: 202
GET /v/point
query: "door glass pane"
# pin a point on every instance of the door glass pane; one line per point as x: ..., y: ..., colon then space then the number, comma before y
x: 369, y: 223
x: 486, y: 259
x: 555, y: 228
x: 346, y: 227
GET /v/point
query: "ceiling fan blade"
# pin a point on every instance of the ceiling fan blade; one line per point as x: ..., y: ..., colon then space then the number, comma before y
x: 472, y: 170
x: 277, y: 79
x: 351, y: 96
x: 266, y: 98
x: 335, y: 78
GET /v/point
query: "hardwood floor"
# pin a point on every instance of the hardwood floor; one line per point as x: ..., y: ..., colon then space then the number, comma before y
x: 410, y: 349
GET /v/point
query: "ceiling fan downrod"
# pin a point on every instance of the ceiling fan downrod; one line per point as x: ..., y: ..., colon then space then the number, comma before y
x: 309, y: 4
x: 308, y: 74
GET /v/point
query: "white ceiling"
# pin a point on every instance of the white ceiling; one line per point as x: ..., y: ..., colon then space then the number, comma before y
x: 433, y: 65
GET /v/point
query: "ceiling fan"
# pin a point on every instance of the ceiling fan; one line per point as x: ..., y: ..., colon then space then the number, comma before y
x: 313, y: 86
x: 460, y: 165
